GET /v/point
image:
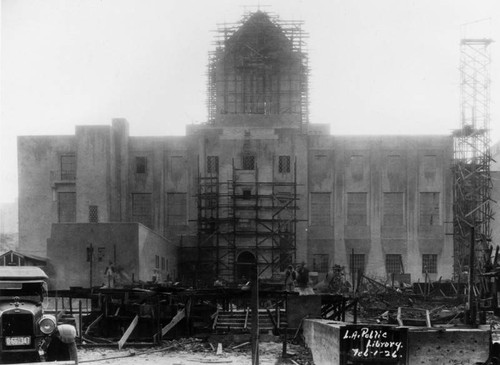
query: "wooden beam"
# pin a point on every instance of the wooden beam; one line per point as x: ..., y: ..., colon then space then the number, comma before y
x: 128, y: 332
x: 398, y: 317
x: 428, y: 319
x: 93, y: 324
x: 177, y: 318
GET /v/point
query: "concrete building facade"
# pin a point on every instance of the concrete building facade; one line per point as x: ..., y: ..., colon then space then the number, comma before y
x: 256, y: 183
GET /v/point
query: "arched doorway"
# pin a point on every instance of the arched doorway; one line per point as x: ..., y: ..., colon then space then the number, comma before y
x: 245, y: 265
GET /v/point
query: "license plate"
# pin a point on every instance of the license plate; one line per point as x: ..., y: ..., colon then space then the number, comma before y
x: 18, y: 341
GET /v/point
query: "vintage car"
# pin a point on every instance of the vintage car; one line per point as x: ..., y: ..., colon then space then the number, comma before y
x: 23, y: 325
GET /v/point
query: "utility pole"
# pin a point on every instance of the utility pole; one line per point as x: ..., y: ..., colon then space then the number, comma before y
x: 255, y: 314
x: 90, y: 256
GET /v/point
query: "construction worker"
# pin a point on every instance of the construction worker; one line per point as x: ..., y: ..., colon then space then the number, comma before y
x: 303, y: 280
x: 290, y: 277
x: 109, y: 273
x: 62, y: 344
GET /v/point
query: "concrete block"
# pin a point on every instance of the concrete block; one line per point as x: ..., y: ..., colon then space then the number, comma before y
x: 415, y: 345
x: 323, y: 338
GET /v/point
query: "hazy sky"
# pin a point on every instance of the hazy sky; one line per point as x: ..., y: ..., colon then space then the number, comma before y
x: 377, y: 66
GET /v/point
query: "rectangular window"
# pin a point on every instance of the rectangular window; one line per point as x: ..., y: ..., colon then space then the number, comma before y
x: 357, y: 166
x: 93, y: 214
x: 248, y: 162
x: 141, y: 163
x: 357, y: 263
x: 394, y: 166
x: 212, y: 164
x: 101, y: 253
x: 284, y: 164
x: 66, y: 205
x: 429, y: 264
x: 320, y: 262
x: 68, y: 167
x: 286, y: 251
x: 157, y: 261
x: 357, y: 209
x: 429, y: 209
x: 90, y: 254
x: 141, y: 208
x: 176, y: 209
x: 429, y: 167
x: 320, y: 209
x: 393, y: 209
x: 393, y: 264
x: 247, y: 193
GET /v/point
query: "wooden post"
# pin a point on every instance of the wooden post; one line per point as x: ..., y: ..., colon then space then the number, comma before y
x: 355, y: 310
x: 352, y: 270
x: 472, y: 307
x: 255, y: 316
x: 91, y: 256
x: 80, y: 324
x: 284, y: 355
x: 158, y: 320
x: 277, y: 314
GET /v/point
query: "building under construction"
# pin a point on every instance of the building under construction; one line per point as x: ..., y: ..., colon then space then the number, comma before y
x: 256, y: 183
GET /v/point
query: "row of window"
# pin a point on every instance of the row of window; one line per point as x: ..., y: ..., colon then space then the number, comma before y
x: 393, y: 213
x: 66, y: 205
x: 68, y: 164
x: 176, y: 209
x: 393, y: 263
x: 247, y: 163
x: 393, y: 209
x: 164, y: 263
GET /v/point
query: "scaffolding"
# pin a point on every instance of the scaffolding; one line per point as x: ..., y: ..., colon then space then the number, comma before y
x: 259, y: 66
x: 472, y: 158
x: 245, y: 217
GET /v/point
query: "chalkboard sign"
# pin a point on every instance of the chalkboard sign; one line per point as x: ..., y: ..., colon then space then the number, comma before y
x: 367, y: 344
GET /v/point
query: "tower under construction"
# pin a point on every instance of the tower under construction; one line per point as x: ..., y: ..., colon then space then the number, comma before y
x: 472, y: 159
x: 247, y: 213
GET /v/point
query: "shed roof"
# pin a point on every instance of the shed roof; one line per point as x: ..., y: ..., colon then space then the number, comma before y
x: 22, y: 273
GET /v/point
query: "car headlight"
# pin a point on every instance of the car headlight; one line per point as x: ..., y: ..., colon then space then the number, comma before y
x: 47, y: 324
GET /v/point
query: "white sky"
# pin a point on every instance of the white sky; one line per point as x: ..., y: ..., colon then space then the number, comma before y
x: 377, y: 66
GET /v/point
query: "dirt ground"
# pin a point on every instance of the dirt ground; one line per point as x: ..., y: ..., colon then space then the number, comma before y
x: 269, y: 354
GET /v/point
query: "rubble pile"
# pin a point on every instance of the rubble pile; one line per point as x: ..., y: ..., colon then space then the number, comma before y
x: 380, y: 303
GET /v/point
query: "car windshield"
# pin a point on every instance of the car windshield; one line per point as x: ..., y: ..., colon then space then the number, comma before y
x: 33, y: 291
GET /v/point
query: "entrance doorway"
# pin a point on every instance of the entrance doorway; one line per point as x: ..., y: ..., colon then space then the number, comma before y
x: 245, y: 266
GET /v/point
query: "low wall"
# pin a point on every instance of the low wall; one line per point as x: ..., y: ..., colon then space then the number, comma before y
x: 337, y: 342
x: 323, y: 338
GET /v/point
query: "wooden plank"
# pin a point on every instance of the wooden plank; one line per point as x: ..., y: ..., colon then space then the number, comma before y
x: 215, y: 316
x: 246, y: 318
x: 78, y: 320
x: 93, y: 324
x: 128, y: 332
x: 398, y: 317
x: 428, y: 318
x: 177, y: 318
